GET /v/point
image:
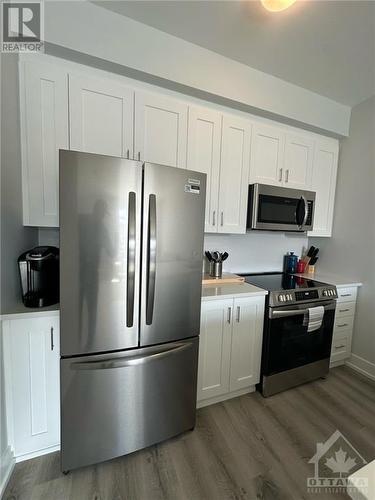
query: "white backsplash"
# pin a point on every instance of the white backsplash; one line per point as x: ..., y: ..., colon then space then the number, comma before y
x: 257, y: 251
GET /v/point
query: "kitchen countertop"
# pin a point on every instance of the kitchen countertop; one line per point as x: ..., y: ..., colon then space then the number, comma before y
x: 20, y: 311
x: 230, y: 290
x: 331, y: 279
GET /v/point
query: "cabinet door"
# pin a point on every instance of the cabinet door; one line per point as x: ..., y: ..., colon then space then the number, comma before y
x: 267, y: 152
x: 214, y: 348
x: 324, y: 184
x: 35, y: 373
x: 204, y: 135
x: 246, y: 342
x: 101, y: 116
x: 44, y: 130
x: 298, y: 161
x: 160, y: 129
x: 234, y: 174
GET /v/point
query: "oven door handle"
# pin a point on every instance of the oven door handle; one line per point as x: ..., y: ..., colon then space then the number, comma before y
x: 295, y: 312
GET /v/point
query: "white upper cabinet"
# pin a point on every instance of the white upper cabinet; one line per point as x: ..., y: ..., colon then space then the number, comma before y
x: 324, y: 184
x: 101, y: 116
x: 44, y: 130
x: 234, y: 174
x: 204, y: 137
x: 298, y: 160
x: 267, y: 152
x: 160, y: 129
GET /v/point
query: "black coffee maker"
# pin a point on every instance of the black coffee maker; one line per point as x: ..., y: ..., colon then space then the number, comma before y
x: 39, y: 272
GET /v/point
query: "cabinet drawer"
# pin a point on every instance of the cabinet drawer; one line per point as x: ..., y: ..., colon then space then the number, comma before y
x: 343, y: 323
x: 346, y: 309
x: 341, y: 346
x: 347, y: 294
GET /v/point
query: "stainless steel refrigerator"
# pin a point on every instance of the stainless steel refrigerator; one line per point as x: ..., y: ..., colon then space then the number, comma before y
x: 131, y: 243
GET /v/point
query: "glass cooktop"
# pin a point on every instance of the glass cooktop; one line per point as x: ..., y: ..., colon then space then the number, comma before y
x: 280, y: 281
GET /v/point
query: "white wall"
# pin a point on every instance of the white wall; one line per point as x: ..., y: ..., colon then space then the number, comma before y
x: 351, y: 250
x: 257, y: 251
x: 94, y: 31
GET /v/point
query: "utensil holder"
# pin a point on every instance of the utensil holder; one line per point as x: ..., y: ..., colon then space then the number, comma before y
x: 217, y: 270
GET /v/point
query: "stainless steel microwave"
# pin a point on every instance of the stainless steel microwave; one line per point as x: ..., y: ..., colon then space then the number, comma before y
x: 274, y: 208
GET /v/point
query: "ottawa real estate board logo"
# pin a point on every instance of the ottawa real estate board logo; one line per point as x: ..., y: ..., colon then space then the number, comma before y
x: 23, y: 27
x: 334, y: 461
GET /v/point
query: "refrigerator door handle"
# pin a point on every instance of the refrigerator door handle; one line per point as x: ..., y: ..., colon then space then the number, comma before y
x: 151, y: 259
x: 130, y: 286
x: 128, y: 361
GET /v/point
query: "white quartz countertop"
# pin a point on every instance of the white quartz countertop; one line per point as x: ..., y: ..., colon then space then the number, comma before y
x: 230, y: 290
x: 20, y: 311
x: 331, y: 279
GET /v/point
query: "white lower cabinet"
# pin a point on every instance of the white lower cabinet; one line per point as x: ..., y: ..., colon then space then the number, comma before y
x: 32, y: 382
x: 230, y: 347
x: 343, y: 328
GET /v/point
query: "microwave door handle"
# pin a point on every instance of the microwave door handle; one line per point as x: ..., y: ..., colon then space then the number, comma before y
x: 306, y: 210
x: 300, y: 221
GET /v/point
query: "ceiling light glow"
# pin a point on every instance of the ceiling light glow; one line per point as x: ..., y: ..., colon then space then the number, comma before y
x: 277, y: 5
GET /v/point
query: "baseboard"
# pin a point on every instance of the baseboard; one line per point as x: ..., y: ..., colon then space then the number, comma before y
x: 225, y: 397
x: 362, y: 366
x: 7, y: 463
x: 38, y: 453
x: 337, y: 363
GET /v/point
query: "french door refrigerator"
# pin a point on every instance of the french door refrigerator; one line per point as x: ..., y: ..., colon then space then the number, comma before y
x: 131, y: 244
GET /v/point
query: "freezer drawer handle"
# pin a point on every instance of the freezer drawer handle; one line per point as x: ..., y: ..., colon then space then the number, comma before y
x: 128, y: 361
x: 131, y: 261
x: 151, y: 259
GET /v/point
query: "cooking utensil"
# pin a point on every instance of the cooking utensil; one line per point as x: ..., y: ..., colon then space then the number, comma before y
x: 224, y: 256
x: 209, y: 256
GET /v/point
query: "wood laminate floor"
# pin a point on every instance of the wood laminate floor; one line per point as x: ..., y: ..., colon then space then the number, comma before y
x: 245, y: 448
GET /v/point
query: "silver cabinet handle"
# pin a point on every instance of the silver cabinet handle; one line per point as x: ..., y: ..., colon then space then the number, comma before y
x: 222, y: 219
x: 128, y: 154
x: 52, y: 344
x: 344, y: 310
x: 151, y: 259
x: 139, y: 156
x: 287, y: 175
x: 130, y: 285
x: 340, y: 346
x: 238, y: 314
x: 229, y: 318
x: 342, y: 325
x: 281, y: 175
x: 214, y: 218
x: 346, y: 295
x: 128, y: 360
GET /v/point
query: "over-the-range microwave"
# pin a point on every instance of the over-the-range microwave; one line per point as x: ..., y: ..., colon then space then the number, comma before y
x: 274, y: 208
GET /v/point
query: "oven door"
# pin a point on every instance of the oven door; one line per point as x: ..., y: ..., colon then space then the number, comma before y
x: 288, y: 344
x: 275, y: 208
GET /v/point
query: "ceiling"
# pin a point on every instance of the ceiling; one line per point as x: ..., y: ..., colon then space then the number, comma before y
x: 324, y: 46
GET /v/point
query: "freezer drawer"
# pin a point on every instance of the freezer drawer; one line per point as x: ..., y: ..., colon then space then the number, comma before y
x: 114, y: 404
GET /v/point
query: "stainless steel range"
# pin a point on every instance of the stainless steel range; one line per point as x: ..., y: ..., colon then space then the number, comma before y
x: 298, y: 328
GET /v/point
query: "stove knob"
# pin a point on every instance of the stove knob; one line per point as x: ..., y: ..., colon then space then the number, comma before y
x: 281, y: 298
x: 325, y: 293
